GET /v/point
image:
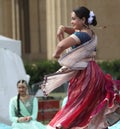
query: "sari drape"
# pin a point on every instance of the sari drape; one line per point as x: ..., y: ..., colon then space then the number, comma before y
x: 92, y: 95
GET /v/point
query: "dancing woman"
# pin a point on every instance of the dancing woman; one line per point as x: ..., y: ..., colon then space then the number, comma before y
x: 92, y: 95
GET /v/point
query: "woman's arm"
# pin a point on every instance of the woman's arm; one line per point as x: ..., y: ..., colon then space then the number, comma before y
x: 63, y: 45
x: 12, y: 114
x: 35, y: 109
x: 69, y: 30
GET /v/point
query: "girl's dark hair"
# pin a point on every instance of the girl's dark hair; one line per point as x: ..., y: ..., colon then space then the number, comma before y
x: 22, y: 81
x: 18, y: 106
x: 84, y: 12
x: 18, y: 98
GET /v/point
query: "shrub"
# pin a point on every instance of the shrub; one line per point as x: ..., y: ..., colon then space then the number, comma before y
x: 37, y: 70
x: 111, y: 67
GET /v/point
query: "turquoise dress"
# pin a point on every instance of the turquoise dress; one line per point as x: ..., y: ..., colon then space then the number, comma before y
x: 4, y: 126
x: 115, y: 126
x: 28, y: 108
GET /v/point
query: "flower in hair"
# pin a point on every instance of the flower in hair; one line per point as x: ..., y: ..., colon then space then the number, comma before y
x: 91, y: 15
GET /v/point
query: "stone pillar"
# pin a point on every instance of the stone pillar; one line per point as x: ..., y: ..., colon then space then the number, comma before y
x: 34, y: 26
x: 37, y: 11
x: 51, y: 25
x: 5, y: 16
x: 15, y: 20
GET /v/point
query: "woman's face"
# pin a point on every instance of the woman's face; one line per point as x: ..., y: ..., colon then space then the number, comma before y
x: 22, y: 88
x: 76, y: 22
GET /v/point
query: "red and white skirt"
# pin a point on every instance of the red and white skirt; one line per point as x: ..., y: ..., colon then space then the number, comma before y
x: 91, y: 96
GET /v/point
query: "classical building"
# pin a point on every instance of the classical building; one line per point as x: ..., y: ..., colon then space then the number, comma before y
x: 35, y: 23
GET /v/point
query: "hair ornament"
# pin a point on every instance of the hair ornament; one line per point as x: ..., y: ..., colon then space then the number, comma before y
x: 91, y: 15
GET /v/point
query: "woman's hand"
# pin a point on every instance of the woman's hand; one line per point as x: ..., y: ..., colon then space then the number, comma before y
x: 28, y: 118
x: 56, y: 56
x: 64, y: 42
x: 60, y: 32
x: 64, y: 29
x: 24, y: 119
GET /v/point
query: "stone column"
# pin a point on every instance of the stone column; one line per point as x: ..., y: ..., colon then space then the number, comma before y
x: 5, y: 16
x: 15, y: 19
x: 37, y: 11
x: 51, y: 25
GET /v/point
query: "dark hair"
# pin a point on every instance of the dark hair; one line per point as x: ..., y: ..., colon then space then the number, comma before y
x: 18, y: 106
x: 21, y: 81
x: 18, y: 97
x: 84, y: 12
